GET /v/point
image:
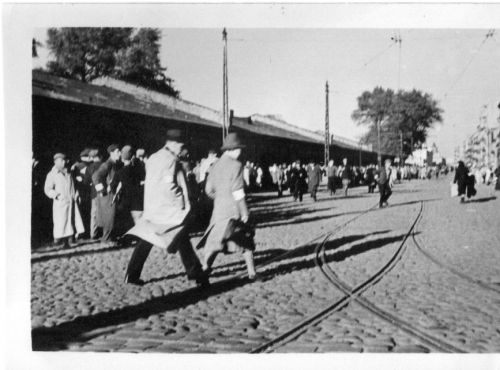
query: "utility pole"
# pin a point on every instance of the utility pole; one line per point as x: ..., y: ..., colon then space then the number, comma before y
x: 327, y: 127
x: 400, y: 147
x: 225, y: 99
x: 379, y: 155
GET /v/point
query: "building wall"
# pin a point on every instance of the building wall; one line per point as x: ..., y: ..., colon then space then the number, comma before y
x: 70, y: 127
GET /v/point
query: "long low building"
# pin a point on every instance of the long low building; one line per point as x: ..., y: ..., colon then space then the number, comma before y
x: 69, y: 115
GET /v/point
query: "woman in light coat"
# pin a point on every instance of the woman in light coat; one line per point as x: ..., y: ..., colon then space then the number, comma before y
x: 59, y: 186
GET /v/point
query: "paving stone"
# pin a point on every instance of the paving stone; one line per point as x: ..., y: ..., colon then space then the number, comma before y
x: 233, y: 320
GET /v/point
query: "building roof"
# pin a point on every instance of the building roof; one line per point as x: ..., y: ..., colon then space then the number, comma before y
x: 59, y: 88
x: 119, y: 95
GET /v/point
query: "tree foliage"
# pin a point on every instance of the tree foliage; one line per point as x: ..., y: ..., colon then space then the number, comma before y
x: 407, y: 113
x: 124, y: 53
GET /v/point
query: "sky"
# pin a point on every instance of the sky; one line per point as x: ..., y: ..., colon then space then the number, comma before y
x: 284, y: 71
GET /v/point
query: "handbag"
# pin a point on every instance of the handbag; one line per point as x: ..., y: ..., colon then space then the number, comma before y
x: 453, y: 190
x: 240, y: 233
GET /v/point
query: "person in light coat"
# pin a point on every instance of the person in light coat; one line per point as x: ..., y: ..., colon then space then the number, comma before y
x: 225, y: 185
x: 164, y: 222
x: 59, y: 186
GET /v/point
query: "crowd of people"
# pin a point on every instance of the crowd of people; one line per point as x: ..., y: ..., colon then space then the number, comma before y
x: 468, y: 176
x: 130, y: 199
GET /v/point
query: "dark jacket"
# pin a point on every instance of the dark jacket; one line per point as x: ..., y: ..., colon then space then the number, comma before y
x: 383, y: 176
x: 298, y: 178
x: 346, y: 172
x: 370, y: 175
x: 104, y: 176
x: 87, y: 178
x: 461, y: 177
x: 131, y: 194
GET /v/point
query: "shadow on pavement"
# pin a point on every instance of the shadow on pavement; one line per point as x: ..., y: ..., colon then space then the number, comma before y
x: 80, y: 329
x: 482, y: 200
x: 68, y: 253
x: 362, y: 247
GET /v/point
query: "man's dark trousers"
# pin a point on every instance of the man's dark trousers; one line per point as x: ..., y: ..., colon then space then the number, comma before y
x: 385, y: 192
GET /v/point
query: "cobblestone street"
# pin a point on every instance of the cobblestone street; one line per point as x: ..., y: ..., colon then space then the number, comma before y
x: 80, y: 303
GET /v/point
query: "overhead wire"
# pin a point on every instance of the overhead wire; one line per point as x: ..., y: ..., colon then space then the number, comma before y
x: 488, y: 35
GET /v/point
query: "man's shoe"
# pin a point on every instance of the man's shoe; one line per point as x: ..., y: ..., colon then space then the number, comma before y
x: 202, y: 281
x: 255, y: 277
x: 138, y: 282
x: 172, y: 248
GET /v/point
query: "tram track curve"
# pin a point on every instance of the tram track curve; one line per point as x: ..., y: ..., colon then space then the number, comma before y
x: 449, y: 268
x: 353, y: 294
x: 319, y: 316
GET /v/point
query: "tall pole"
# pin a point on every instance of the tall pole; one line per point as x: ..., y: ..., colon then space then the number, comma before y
x: 327, y: 127
x: 225, y: 98
x: 400, y: 147
x: 379, y: 156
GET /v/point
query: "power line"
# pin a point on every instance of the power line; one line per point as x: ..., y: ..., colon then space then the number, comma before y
x: 379, y: 54
x: 488, y: 35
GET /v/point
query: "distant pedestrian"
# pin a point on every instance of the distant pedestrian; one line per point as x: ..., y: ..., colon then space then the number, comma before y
x: 370, y: 178
x: 298, y: 176
x: 314, y: 178
x: 102, y: 180
x: 225, y: 185
x: 331, y: 173
x: 345, y: 175
x: 497, y: 178
x: 59, y: 186
x: 164, y: 222
x: 471, y: 182
x: 461, y: 175
x: 278, y: 178
x: 384, y: 180
x: 260, y: 177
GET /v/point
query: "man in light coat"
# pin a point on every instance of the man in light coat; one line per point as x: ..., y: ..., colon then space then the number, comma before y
x: 164, y: 222
x: 59, y: 186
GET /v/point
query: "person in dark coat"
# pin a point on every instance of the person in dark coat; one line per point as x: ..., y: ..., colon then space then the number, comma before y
x: 102, y: 180
x: 370, y: 178
x: 96, y: 161
x: 331, y: 173
x: 470, y: 184
x: 461, y: 176
x: 127, y: 188
x: 298, y: 176
x: 497, y: 176
x: 41, y: 218
x: 383, y: 177
x: 314, y: 176
x: 78, y: 171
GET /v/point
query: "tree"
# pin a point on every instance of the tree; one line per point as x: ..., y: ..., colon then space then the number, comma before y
x: 123, y: 53
x: 409, y: 114
x: 140, y: 63
x: 86, y: 53
x: 374, y: 110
